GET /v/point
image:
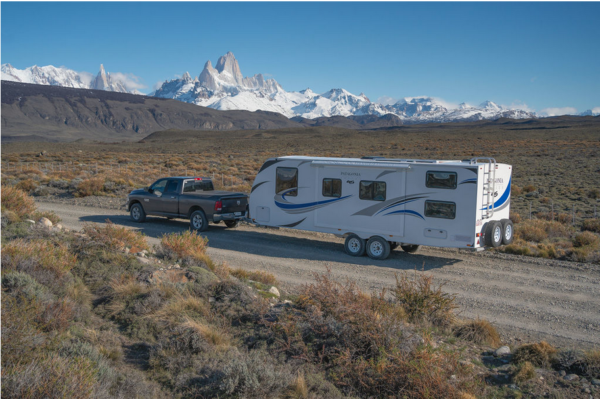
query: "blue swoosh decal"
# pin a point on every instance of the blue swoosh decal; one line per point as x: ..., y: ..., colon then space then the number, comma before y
x: 406, y: 211
x: 502, y: 199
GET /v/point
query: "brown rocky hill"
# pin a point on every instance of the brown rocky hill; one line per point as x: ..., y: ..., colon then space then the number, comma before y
x: 51, y: 113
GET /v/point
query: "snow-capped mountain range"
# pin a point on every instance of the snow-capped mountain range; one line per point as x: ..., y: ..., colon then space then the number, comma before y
x: 223, y: 87
x: 50, y: 75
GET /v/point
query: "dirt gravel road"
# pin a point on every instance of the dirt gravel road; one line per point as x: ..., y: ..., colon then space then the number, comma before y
x: 526, y: 298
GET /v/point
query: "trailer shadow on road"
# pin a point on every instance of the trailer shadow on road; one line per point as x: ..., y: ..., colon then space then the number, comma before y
x: 267, y: 242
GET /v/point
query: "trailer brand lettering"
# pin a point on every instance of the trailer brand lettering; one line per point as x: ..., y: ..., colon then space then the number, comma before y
x: 350, y: 173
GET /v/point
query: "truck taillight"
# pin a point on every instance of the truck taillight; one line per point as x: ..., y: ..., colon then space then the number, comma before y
x: 218, y: 206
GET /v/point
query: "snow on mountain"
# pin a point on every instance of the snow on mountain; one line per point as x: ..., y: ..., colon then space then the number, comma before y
x: 53, y: 76
x: 224, y: 87
x: 591, y: 112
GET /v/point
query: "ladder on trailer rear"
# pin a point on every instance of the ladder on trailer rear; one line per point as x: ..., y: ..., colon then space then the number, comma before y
x: 489, y: 185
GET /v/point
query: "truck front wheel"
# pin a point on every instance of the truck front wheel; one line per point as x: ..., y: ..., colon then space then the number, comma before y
x: 137, y: 213
x: 198, y: 221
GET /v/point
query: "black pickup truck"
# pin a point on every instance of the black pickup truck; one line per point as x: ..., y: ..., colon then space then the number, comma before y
x: 192, y: 198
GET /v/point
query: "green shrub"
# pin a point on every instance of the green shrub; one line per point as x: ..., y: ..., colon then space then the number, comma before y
x: 22, y: 255
x: 185, y: 245
x: 591, y: 225
x: 525, y: 371
x: 586, y: 239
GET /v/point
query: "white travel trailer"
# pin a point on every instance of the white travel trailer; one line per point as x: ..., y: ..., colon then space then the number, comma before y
x: 379, y: 203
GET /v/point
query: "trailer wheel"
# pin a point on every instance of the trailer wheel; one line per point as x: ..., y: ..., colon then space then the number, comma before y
x: 137, y: 213
x: 354, y: 245
x: 411, y: 249
x: 198, y: 221
x: 378, y: 248
x: 508, y: 231
x: 232, y: 224
x: 493, y: 234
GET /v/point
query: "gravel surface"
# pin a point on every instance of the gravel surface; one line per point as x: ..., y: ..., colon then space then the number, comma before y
x: 526, y: 298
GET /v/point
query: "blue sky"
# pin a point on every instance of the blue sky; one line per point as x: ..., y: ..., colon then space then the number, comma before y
x: 539, y: 55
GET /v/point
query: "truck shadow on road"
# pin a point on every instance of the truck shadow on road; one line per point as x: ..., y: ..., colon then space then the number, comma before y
x: 267, y: 242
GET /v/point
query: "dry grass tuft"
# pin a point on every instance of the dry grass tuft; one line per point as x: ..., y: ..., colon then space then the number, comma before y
x: 254, y: 275
x: 185, y: 245
x: 93, y: 186
x: 25, y: 255
x: 423, y: 301
x: 126, y: 286
x: 478, y: 331
x: 298, y: 388
x: 592, y: 363
x: 115, y: 237
x: 17, y: 201
x: 525, y: 372
x: 181, y: 307
x: 539, y: 354
x: 209, y: 333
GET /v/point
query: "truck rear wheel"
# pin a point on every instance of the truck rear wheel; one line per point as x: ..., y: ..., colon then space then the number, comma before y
x: 137, y: 213
x: 198, y: 221
x: 378, y: 248
x: 411, y: 249
x: 232, y: 224
x: 354, y: 245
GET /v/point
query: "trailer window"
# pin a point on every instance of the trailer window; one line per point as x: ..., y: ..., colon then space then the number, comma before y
x: 372, y: 190
x: 332, y: 187
x: 440, y: 209
x: 441, y: 180
x: 287, y: 182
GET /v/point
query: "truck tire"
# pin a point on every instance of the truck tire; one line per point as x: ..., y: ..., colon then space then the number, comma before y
x: 198, y: 221
x: 410, y: 248
x: 354, y: 245
x: 137, y: 213
x: 493, y: 234
x: 232, y: 224
x: 508, y: 232
x: 378, y: 248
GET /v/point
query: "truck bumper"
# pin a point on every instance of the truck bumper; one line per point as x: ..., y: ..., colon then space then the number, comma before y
x: 217, y: 217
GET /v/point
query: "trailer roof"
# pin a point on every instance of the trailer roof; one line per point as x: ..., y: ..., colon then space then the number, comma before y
x: 388, y: 161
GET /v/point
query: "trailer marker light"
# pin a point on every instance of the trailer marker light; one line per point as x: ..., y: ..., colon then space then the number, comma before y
x: 478, y: 235
x: 477, y: 242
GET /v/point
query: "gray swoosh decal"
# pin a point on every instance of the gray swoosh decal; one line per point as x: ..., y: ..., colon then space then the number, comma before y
x: 257, y: 186
x: 293, y: 224
x: 385, y: 172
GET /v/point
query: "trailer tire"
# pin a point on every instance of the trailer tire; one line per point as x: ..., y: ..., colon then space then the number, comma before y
x: 493, y: 234
x: 411, y: 249
x: 508, y: 232
x: 378, y: 248
x: 198, y: 221
x: 354, y: 245
x: 137, y: 213
x: 232, y: 224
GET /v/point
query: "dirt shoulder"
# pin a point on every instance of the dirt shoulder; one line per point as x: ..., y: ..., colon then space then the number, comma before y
x: 526, y: 298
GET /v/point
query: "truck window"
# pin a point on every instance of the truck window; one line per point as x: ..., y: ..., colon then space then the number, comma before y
x: 287, y: 179
x: 159, y: 186
x: 172, y: 186
x: 440, y: 209
x: 332, y: 187
x: 192, y: 186
x: 372, y: 190
x: 441, y: 180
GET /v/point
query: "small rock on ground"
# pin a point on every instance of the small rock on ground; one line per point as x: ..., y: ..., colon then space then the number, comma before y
x: 503, y: 350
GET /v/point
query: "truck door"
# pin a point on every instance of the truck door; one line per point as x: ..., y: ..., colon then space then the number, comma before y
x: 169, y: 201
